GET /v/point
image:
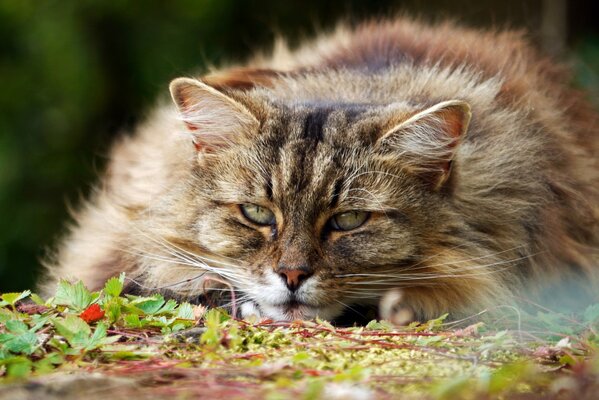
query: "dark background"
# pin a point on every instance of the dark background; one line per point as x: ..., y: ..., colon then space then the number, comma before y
x: 75, y: 73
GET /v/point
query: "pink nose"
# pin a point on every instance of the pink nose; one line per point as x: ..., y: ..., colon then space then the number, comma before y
x: 293, y: 277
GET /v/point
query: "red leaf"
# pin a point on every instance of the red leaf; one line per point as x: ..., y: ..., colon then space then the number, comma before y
x: 92, y: 313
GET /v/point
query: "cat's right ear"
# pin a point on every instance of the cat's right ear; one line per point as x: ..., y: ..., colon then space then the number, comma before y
x: 214, y: 119
x: 426, y: 142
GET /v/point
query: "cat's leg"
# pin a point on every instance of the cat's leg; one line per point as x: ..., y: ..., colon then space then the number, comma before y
x: 394, y: 308
x: 249, y: 309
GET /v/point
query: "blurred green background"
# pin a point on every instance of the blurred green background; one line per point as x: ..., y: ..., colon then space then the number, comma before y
x: 75, y: 73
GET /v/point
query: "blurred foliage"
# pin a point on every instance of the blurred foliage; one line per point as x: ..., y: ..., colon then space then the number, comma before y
x: 75, y: 73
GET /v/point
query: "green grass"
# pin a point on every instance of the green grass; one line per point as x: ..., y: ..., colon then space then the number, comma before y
x: 98, y: 342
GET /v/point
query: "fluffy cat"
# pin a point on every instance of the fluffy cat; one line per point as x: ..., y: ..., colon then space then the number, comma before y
x: 456, y: 166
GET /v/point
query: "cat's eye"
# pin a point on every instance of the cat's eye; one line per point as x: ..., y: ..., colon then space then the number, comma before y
x: 349, y: 220
x: 258, y: 214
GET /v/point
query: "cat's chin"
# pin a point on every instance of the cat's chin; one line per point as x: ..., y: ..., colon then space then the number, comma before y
x: 289, y: 311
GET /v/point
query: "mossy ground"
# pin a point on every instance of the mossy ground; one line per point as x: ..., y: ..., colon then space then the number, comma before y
x: 80, y: 344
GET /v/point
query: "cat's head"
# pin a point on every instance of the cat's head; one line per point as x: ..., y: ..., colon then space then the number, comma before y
x: 313, y: 207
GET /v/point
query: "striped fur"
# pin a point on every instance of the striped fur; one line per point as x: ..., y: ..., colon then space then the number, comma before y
x: 356, y: 120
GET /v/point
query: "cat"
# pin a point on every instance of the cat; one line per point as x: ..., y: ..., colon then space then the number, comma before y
x: 453, y: 166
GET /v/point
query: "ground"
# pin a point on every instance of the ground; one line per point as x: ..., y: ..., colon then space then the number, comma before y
x: 93, y: 345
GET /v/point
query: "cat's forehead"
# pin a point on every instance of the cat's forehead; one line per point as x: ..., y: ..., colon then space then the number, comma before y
x: 341, y: 124
x: 307, y: 156
x: 313, y: 149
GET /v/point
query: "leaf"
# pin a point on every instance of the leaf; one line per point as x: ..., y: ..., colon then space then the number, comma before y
x: 12, y: 298
x: 16, y: 326
x: 178, y: 326
x: 132, y: 321
x: 504, y: 377
x: 114, y: 286
x: 39, y: 321
x: 24, y: 343
x: 92, y: 313
x: 567, y: 359
x: 73, y: 329
x: 436, y: 323
x: 113, y: 310
x: 185, y: 311
x: 6, y: 315
x: 73, y: 295
x: 379, y: 325
x: 18, y: 367
x: 428, y: 340
x: 169, y: 307
x: 99, y: 338
x: 5, y: 337
x: 150, y: 305
x: 37, y: 299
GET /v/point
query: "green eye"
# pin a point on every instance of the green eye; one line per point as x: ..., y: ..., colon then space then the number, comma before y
x: 349, y: 220
x: 257, y: 214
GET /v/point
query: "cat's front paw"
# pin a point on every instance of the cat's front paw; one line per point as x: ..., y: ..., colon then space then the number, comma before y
x: 250, y: 310
x: 393, y: 308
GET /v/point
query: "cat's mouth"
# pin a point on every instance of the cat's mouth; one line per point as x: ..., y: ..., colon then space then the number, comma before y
x: 297, y: 309
x: 293, y: 309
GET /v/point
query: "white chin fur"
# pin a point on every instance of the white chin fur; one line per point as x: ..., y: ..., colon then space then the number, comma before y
x: 283, y: 313
x: 270, y: 297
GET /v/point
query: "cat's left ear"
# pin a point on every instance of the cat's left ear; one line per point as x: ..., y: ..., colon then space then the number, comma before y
x: 214, y: 119
x: 426, y: 142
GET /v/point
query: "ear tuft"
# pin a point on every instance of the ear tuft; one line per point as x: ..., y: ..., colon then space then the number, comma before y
x: 214, y: 118
x: 427, y: 141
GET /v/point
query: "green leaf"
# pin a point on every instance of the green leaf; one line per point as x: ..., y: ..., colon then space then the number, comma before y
x: 73, y: 295
x: 37, y: 299
x: 99, y: 334
x: 18, y: 367
x: 151, y: 305
x: 5, y: 337
x: 436, y: 323
x: 132, y: 321
x: 114, y: 286
x: 12, y: 298
x: 168, y: 308
x: 428, y: 340
x: 39, y: 321
x: 6, y: 315
x: 99, y: 338
x: 16, y: 326
x: 178, y: 326
x: 379, y: 325
x: 113, y: 310
x: 73, y: 329
x: 185, y: 311
x: 504, y: 377
x: 24, y: 343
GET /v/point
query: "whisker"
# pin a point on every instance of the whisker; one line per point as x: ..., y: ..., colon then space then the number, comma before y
x: 138, y: 283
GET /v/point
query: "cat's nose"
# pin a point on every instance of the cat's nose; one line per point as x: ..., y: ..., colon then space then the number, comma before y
x: 293, y: 278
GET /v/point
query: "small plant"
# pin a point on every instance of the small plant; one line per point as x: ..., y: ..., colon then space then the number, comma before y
x: 176, y: 345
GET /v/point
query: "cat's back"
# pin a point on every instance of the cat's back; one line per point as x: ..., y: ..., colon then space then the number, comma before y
x: 382, y: 62
x: 438, y: 56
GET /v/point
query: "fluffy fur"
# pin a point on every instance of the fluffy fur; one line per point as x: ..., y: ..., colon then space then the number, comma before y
x: 465, y: 212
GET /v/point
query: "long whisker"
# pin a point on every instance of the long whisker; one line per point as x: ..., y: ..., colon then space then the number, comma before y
x: 191, y: 258
x: 138, y: 283
x: 350, y: 308
x: 403, y: 271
